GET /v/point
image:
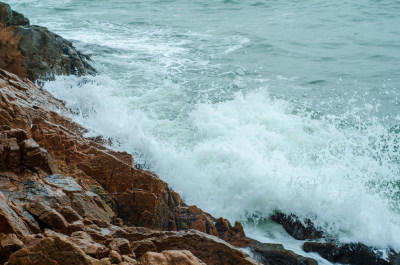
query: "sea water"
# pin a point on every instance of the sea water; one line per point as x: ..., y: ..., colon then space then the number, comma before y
x: 246, y: 107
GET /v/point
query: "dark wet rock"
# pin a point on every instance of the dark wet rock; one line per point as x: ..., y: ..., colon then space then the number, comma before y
x: 48, y: 54
x: 394, y: 257
x: 275, y: 254
x: 181, y: 257
x: 295, y: 227
x: 8, y: 17
x: 354, y: 254
x: 36, y: 53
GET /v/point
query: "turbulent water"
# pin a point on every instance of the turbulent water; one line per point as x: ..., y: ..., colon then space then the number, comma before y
x: 245, y: 107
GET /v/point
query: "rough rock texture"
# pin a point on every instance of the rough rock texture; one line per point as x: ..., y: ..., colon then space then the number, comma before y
x: 275, y: 254
x: 51, y: 251
x: 295, y: 228
x: 9, y: 17
x: 35, y: 52
x: 356, y: 254
x: 181, y: 257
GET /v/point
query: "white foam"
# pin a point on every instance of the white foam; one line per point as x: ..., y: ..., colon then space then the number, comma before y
x: 250, y: 155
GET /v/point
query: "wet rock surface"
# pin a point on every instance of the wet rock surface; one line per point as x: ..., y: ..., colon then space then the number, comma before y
x: 36, y: 53
x: 296, y: 228
x: 354, y: 253
x: 275, y: 254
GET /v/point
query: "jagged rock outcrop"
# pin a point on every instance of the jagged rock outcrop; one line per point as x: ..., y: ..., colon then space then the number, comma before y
x: 296, y: 228
x: 35, y: 52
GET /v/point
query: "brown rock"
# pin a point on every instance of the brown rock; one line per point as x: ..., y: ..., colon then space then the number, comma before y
x: 170, y: 257
x: 233, y: 235
x: 85, y: 242
x: 25, y: 257
x: 35, y: 156
x: 129, y: 260
x: 121, y: 245
x: 34, y: 52
x: 51, y: 251
x: 209, y: 249
x: 275, y: 254
x: 9, y: 244
x: 115, y: 258
x: 49, y: 217
x: 14, y: 156
x: 69, y: 214
x: 76, y: 226
x: 104, y: 261
x: 9, y: 220
x: 9, y: 17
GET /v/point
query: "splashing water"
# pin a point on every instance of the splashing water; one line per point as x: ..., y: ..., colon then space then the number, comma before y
x: 253, y: 107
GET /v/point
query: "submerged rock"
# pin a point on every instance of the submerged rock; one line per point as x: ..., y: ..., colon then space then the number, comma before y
x: 35, y: 52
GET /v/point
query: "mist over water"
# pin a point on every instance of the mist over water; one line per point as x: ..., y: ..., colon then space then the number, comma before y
x: 245, y: 107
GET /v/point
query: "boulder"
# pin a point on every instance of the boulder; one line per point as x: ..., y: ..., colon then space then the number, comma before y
x: 275, y: 254
x: 121, y: 245
x: 8, y: 17
x: 35, y: 52
x: 115, y: 258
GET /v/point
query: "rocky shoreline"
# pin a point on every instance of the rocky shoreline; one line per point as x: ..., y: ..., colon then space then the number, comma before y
x: 67, y: 199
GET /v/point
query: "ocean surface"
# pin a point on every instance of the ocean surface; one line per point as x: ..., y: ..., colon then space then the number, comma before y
x: 246, y: 107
